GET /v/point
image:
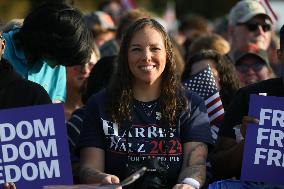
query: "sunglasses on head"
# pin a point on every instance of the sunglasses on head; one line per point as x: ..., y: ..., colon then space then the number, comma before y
x: 253, y: 26
x: 244, y: 68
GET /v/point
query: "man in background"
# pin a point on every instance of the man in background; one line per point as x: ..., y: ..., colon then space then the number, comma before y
x: 249, y: 24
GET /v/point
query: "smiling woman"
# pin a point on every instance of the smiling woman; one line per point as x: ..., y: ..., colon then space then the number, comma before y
x: 145, y: 118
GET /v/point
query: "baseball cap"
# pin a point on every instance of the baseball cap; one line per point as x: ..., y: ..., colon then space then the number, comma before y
x: 251, y: 49
x: 244, y: 10
x: 99, y: 20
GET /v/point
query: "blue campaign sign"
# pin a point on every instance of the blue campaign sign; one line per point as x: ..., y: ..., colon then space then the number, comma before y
x: 33, y: 147
x: 263, y: 158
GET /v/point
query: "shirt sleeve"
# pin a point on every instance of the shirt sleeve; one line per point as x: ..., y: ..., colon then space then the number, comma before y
x: 74, y: 127
x: 194, y: 122
x: 40, y: 95
x: 92, y: 134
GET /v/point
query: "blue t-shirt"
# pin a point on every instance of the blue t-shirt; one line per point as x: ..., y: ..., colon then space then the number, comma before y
x: 53, y: 80
x: 147, y: 137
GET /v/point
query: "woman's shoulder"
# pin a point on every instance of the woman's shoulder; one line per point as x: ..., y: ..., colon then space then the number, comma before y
x: 33, y: 91
x: 22, y: 92
x: 99, y: 97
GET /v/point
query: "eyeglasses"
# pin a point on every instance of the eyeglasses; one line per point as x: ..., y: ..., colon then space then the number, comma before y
x: 253, y: 26
x: 244, y: 68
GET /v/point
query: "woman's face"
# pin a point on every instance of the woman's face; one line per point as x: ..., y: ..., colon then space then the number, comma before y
x: 251, y: 70
x: 147, y: 56
x: 76, y: 75
x: 198, y: 66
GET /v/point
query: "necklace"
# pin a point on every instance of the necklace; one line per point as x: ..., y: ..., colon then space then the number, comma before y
x: 148, y: 107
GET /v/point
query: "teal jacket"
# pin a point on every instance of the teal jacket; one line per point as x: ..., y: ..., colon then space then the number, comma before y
x: 53, y: 80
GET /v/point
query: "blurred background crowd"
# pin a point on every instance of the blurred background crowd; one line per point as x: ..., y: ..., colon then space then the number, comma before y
x: 239, y: 40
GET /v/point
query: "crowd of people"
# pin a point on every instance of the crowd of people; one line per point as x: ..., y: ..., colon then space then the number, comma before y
x: 121, y: 74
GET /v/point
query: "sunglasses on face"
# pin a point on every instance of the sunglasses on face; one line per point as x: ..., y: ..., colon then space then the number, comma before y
x: 244, y: 68
x: 253, y: 26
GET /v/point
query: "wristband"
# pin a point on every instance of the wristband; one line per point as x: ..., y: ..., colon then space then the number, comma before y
x: 192, y: 182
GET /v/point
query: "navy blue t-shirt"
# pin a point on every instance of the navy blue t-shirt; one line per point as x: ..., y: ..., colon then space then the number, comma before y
x: 147, y: 136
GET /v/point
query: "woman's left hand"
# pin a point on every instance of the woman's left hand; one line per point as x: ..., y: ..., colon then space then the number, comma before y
x: 183, y: 186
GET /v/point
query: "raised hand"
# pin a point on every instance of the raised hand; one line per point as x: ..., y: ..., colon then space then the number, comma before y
x: 245, y: 121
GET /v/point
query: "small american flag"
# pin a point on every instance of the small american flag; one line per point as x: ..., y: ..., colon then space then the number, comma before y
x: 203, y: 83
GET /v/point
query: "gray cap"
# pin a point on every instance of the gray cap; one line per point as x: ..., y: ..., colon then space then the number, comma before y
x: 244, y: 10
x: 252, y: 50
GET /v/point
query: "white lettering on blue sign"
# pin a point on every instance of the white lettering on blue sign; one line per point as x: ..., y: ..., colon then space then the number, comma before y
x: 28, y: 151
x: 269, y: 157
x: 8, y: 131
x: 273, y: 137
x: 31, y: 171
x: 276, y: 116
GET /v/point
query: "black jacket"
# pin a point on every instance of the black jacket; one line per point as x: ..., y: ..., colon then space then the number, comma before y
x: 16, y: 91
